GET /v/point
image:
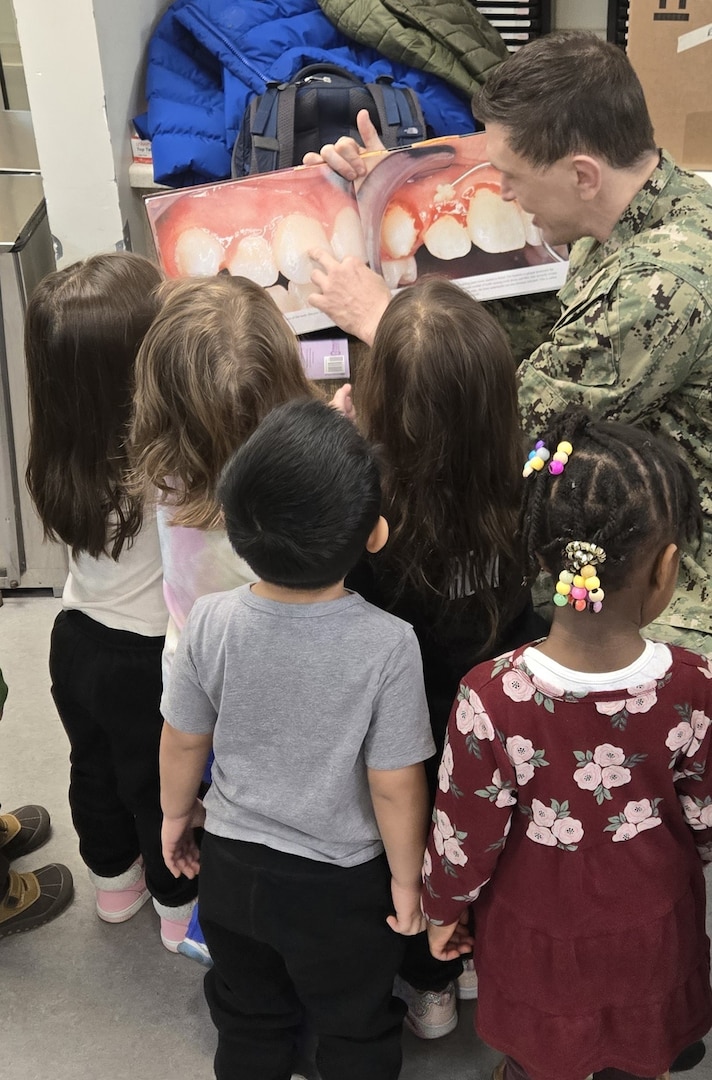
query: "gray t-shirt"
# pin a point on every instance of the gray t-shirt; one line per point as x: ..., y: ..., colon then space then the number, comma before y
x: 301, y: 699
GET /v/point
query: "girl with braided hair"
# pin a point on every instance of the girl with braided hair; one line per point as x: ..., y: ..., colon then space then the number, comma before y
x: 574, y: 809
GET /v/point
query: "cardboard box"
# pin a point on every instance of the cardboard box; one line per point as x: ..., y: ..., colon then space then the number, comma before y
x: 670, y: 47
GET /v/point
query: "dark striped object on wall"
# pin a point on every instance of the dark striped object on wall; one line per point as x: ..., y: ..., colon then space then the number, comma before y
x: 517, y: 22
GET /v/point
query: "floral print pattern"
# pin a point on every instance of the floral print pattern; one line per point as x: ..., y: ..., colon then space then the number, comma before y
x: 636, y: 817
x: 448, y: 842
x: 524, y: 758
x: 638, y: 699
x: 697, y: 812
x: 501, y: 743
x: 604, y: 768
x: 472, y: 720
x: 553, y: 825
x: 686, y: 737
x: 499, y: 791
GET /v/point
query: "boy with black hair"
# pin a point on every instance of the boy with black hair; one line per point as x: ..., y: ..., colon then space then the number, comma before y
x: 313, y: 702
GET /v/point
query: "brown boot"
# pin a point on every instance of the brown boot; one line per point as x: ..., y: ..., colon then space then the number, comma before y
x: 23, y: 830
x: 34, y: 898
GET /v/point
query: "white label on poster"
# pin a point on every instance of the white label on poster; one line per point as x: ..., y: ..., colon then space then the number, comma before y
x: 695, y: 37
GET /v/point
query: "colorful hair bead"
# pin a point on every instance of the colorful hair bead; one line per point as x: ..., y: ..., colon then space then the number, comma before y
x: 539, y: 456
x: 579, y: 584
x: 537, y: 459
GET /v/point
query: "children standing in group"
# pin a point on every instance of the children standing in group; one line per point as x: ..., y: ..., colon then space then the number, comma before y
x: 438, y: 395
x: 217, y: 358
x: 84, y: 326
x: 575, y: 793
x: 313, y: 701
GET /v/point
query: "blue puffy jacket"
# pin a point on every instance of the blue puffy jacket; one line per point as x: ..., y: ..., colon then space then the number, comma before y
x: 207, y: 58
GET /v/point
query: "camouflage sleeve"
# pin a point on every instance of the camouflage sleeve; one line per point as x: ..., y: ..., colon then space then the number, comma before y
x: 620, y: 354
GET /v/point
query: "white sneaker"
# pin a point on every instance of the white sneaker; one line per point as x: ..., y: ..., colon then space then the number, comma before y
x: 430, y: 1015
x: 466, y: 986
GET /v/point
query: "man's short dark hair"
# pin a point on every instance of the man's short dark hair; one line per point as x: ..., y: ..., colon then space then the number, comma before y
x: 569, y: 93
x: 301, y: 496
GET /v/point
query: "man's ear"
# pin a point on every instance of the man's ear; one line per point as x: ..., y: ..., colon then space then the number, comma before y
x: 378, y: 536
x: 588, y: 176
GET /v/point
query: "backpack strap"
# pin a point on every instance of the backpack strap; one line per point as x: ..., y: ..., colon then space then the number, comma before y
x: 399, y: 112
x: 272, y: 128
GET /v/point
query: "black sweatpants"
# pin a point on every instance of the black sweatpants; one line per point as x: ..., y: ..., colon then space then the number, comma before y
x: 294, y: 939
x: 106, y: 685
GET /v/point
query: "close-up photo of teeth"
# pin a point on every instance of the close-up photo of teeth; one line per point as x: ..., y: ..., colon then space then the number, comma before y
x: 435, y: 207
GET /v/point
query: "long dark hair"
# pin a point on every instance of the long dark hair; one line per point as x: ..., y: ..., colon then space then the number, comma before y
x: 83, y: 328
x: 438, y: 394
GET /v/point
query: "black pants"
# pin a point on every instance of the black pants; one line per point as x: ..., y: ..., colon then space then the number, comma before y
x: 294, y: 939
x: 106, y: 685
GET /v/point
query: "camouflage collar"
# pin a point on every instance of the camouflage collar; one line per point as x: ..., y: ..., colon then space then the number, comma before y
x: 635, y: 214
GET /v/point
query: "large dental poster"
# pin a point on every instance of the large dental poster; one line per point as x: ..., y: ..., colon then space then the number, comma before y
x: 431, y: 208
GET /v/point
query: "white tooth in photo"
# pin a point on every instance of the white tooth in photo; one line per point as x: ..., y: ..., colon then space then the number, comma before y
x: 299, y: 293
x: 252, y: 258
x: 347, y: 235
x: 294, y: 236
x: 198, y: 253
x: 446, y: 238
x: 532, y: 232
x: 282, y: 299
x: 494, y: 225
x: 397, y: 272
x: 399, y: 232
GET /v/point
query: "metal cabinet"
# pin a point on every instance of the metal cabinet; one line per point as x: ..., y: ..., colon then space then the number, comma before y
x: 26, y: 255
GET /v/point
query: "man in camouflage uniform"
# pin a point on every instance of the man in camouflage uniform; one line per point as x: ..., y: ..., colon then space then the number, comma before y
x: 634, y: 339
x: 568, y: 127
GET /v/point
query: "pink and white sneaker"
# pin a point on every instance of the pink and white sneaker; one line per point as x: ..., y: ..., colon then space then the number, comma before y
x: 174, y: 923
x: 119, y: 898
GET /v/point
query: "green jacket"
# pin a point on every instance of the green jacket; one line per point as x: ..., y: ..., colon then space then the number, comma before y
x: 634, y: 343
x: 448, y: 38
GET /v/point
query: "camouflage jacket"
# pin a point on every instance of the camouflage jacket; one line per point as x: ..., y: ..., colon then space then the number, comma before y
x: 634, y: 343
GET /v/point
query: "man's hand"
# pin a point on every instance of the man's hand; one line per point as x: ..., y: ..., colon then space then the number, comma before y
x: 180, y: 851
x: 353, y: 296
x: 450, y: 942
x: 408, y: 919
x: 344, y: 156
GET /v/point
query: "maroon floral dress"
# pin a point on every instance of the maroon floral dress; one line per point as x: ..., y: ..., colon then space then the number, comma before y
x: 576, y: 824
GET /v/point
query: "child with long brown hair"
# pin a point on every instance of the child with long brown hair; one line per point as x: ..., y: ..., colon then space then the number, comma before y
x: 83, y: 328
x: 218, y: 357
x: 438, y: 394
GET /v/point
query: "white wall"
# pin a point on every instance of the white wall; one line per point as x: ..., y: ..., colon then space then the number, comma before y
x: 123, y: 28
x: 84, y: 72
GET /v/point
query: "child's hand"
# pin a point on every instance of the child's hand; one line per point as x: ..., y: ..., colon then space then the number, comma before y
x: 344, y: 402
x: 408, y: 919
x: 180, y: 851
x: 450, y: 942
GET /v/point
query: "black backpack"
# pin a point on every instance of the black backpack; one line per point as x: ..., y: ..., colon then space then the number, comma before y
x: 316, y: 107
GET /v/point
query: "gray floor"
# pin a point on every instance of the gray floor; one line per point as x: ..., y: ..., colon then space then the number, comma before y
x: 83, y: 1000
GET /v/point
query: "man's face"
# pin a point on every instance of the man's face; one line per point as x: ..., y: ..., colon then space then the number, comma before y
x: 549, y: 193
